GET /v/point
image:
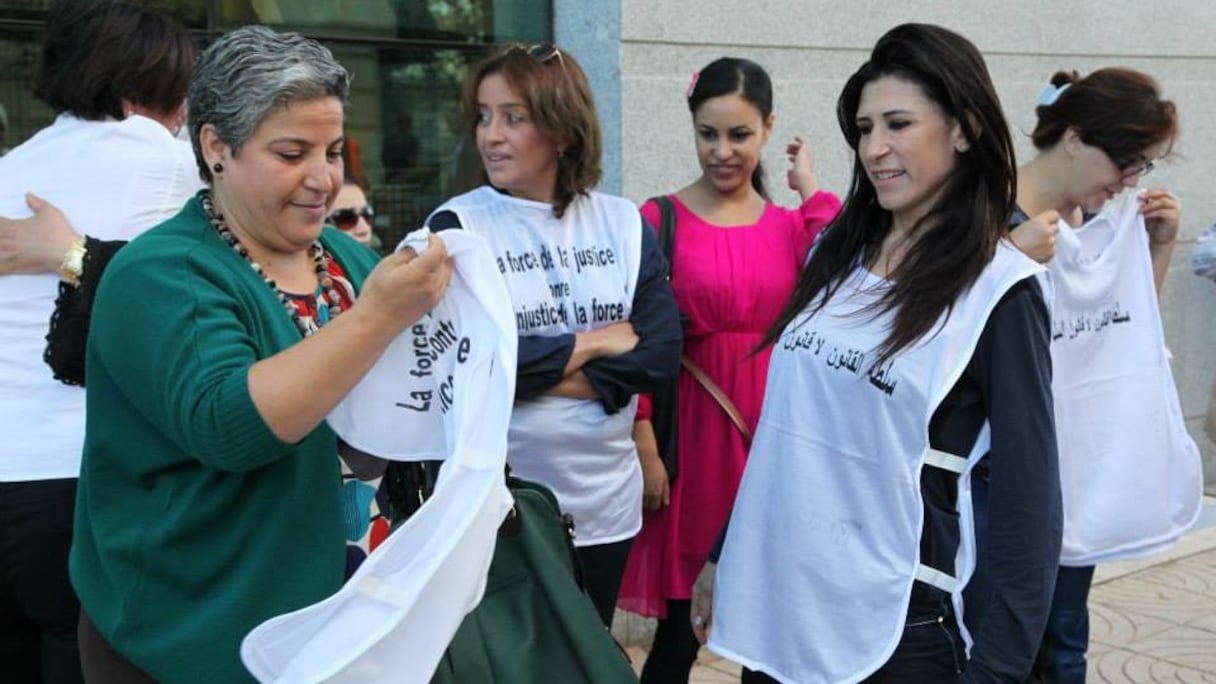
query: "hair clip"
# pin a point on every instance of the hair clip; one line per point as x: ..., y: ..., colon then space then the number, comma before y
x: 1050, y: 93
x: 692, y: 85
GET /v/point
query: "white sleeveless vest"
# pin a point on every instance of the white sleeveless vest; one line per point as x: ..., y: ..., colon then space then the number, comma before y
x: 815, y: 577
x: 1131, y: 476
x: 443, y: 390
x: 568, y: 275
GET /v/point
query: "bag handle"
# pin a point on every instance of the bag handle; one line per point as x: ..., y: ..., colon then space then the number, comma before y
x: 719, y: 396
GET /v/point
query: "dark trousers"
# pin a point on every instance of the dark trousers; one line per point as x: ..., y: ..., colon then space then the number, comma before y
x: 931, y: 650
x: 101, y: 663
x: 675, y: 647
x: 38, y: 608
x: 1061, y: 658
x: 603, y: 567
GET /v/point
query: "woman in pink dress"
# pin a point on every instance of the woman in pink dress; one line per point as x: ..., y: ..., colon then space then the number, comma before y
x: 736, y: 256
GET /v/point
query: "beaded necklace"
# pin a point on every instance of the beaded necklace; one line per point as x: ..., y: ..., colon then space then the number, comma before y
x: 328, y: 303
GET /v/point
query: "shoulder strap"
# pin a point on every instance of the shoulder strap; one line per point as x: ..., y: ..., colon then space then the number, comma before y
x: 667, y: 229
x: 719, y: 396
x: 667, y: 242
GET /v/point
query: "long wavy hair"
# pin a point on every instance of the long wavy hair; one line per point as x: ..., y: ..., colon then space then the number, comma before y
x: 958, y: 236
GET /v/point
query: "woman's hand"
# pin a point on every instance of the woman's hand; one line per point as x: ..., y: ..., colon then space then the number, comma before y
x: 404, y: 286
x: 610, y: 340
x: 1162, y: 212
x: 701, y: 610
x: 801, y: 176
x: 36, y: 244
x: 296, y: 388
x: 1036, y: 237
x: 656, y: 490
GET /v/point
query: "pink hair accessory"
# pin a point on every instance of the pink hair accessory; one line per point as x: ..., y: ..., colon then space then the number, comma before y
x: 692, y: 85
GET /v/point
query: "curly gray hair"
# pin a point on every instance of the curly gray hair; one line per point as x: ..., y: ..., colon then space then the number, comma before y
x: 250, y: 72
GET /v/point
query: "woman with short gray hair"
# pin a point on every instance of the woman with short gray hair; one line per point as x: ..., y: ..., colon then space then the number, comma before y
x: 249, y: 73
x: 209, y: 499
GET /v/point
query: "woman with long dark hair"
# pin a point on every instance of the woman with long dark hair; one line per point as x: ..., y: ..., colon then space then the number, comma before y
x: 915, y: 343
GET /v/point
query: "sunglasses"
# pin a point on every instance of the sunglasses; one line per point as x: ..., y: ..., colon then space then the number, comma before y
x: 543, y: 52
x: 347, y: 219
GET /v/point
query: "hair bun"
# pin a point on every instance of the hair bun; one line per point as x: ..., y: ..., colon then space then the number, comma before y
x: 1063, y: 78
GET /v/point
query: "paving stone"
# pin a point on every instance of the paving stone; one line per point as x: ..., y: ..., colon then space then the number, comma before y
x: 721, y: 664
x: 1144, y: 596
x: 1206, y: 623
x: 703, y: 673
x: 1118, y: 666
x: 1195, y: 573
x: 1114, y: 625
x: 1184, y: 646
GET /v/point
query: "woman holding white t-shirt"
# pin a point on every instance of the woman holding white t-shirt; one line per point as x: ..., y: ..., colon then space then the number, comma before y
x: 595, y: 314
x: 1096, y: 137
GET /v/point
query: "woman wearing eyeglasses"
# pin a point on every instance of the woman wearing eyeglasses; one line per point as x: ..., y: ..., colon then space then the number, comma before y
x: 596, y: 318
x: 1096, y: 138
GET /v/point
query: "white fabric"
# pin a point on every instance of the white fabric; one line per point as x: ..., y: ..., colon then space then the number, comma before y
x: 816, y: 573
x: 393, y: 619
x: 113, y: 180
x: 569, y: 275
x: 945, y: 461
x: 937, y: 578
x: 1131, y: 476
x: 414, y: 387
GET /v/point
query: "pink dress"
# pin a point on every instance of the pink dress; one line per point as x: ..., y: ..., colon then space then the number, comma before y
x: 731, y: 283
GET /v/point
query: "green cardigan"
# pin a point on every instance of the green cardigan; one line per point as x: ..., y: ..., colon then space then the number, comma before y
x: 194, y: 523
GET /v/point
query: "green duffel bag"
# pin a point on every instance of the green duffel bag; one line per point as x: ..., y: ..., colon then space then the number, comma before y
x: 535, y: 622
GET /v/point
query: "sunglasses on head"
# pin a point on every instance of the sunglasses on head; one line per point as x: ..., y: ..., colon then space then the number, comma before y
x: 347, y: 219
x: 543, y: 52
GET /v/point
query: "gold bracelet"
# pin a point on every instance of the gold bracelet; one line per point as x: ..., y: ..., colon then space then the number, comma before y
x: 73, y: 264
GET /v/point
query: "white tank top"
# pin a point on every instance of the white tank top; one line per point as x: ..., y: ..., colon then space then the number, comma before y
x: 1131, y: 476
x: 569, y: 275
x: 817, y: 570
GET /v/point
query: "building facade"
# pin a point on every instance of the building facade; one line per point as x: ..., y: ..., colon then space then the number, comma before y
x: 409, y: 59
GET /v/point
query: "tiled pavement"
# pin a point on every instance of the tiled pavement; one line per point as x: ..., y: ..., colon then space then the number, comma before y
x: 1152, y: 620
x: 1155, y: 620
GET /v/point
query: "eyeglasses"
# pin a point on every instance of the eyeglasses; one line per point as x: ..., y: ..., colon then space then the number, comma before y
x: 347, y: 219
x: 1137, y: 167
